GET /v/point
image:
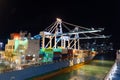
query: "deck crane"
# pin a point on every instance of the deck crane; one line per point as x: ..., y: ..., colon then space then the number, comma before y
x: 68, y: 38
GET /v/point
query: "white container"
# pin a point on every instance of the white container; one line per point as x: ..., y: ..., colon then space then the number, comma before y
x: 71, y: 63
x: 76, y: 61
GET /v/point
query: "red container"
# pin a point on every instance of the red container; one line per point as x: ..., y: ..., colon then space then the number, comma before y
x: 28, y: 57
x: 65, y: 56
x: 70, y: 51
x: 57, y: 53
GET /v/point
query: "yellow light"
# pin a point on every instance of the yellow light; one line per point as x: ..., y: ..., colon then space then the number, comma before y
x: 16, y: 38
x: 16, y: 61
x: 59, y: 20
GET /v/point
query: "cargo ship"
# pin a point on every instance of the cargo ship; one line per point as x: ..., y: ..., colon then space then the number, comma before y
x: 51, y: 50
x: 62, y: 45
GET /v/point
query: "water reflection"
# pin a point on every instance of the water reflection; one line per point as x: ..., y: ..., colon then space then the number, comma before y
x: 96, y: 70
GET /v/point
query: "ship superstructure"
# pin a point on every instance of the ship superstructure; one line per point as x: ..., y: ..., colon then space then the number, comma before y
x: 21, y: 50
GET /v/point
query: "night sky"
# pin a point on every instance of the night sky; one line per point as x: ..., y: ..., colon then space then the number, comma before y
x: 34, y: 15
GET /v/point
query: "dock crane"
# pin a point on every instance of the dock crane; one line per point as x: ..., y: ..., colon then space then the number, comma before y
x: 69, y: 38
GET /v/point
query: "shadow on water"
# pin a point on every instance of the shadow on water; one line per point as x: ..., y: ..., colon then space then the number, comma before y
x: 111, y: 55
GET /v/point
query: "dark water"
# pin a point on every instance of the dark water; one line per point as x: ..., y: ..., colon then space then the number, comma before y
x: 95, y: 70
x: 106, y: 56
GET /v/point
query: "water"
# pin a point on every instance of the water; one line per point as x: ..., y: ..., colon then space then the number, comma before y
x: 95, y: 70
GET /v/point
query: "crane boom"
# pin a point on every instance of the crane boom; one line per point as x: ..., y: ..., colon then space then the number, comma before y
x: 81, y: 32
x: 94, y: 37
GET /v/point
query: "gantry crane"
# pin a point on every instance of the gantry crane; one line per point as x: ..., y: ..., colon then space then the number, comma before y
x: 69, y: 38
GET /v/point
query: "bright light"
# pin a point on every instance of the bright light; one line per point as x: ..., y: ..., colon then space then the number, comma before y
x: 32, y: 38
x: 59, y: 20
x: 16, y: 61
x: 118, y: 50
x: 28, y: 54
x: 19, y: 68
x: 33, y: 55
x: 16, y: 38
x: 33, y: 59
x: 1, y: 43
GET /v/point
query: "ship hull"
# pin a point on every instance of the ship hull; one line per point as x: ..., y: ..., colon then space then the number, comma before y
x: 35, y: 70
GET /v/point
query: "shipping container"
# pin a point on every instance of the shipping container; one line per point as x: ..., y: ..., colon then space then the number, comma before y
x: 29, y: 57
x: 57, y: 50
x: 70, y: 62
x: 57, y: 55
x: 70, y: 51
x: 79, y: 55
x: 46, y: 54
x: 42, y: 50
x: 70, y: 56
x: 41, y: 55
x: 44, y: 59
x: 64, y: 56
x: 75, y: 51
x: 75, y: 61
x: 50, y: 50
x: 64, y: 51
x: 50, y: 59
x: 82, y: 59
x: 75, y: 55
x: 46, y: 50
x: 80, y: 51
x: 93, y: 53
x: 56, y: 58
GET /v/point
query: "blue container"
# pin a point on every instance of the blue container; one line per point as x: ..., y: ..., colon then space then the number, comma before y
x: 56, y: 58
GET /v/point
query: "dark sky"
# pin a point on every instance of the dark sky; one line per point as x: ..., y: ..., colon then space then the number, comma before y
x: 34, y: 15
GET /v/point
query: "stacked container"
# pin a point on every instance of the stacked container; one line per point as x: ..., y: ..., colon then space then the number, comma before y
x: 46, y: 54
x: 70, y: 54
x: 64, y: 51
x: 57, y: 54
x: 28, y: 58
x: 64, y: 54
x: 70, y: 62
x: 87, y: 55
x: 57, y: 50
x: 76, y: 61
